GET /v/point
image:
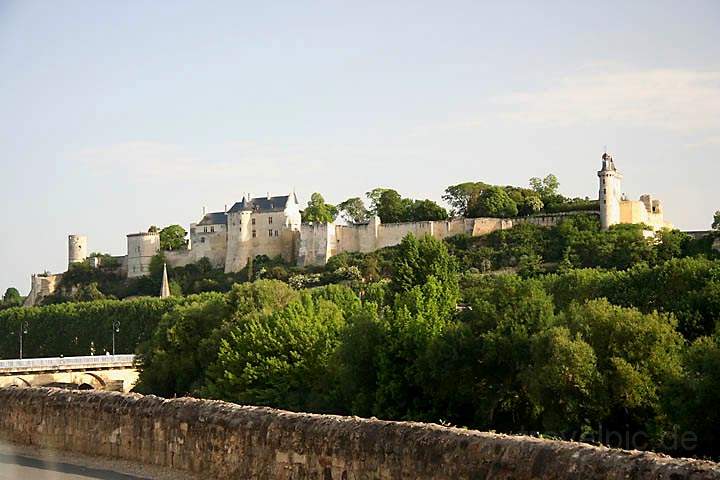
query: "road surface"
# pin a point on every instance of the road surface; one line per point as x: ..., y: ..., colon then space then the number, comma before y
x: 20, y: 462
x: 18, y: 467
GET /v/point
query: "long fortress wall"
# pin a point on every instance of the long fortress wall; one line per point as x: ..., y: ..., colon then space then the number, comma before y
x: 319, y: 242
x: 220, y: 440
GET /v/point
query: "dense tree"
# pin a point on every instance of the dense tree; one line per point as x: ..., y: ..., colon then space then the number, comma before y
x: 691, y: 398
x: 172, y: 237
x: 186, y: 343
x: 494, y: 202
x: 528, y: 201
x: 462, y: 196
x: 716, y: 221
x: 416, y: 260
x: 373, y: 197
x: 281, y: 359
x: 636, y: 354
x: 353, y: 210
x: 426, y: 210
x: 390, y: 207
x: 319, y: 211
x: 11, y: 298
x: 546, y: 187
x: 561, y: 379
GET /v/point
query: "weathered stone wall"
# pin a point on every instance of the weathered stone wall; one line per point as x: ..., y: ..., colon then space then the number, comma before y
x: 318, y: 243
x: 141, y: 248
x: 220, y: 440
x: 41, y: 286
x: 180, y: 258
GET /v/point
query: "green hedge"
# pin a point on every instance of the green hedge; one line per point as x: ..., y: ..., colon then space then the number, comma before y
x: 70, y: 329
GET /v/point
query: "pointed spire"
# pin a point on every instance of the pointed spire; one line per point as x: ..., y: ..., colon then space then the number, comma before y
x: 165, y: 288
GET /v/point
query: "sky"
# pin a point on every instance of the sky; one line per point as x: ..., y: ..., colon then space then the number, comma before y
x: 115, y: 116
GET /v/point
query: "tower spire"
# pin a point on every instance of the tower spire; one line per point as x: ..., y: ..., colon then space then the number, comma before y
x: 165, y: 287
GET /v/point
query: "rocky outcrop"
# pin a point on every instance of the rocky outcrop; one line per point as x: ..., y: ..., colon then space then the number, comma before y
x: 221, y: 440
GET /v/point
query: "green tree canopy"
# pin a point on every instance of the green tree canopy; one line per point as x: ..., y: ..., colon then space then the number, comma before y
x: 12, y: 297
x: 353, y: 210
x: 426, y: 210
x: 390, y: 207
x: 716, y: 221
x: 172, y: 237
x: 387, y: 204
x: 546, y: 187
x: 319, y: 211
x: 494, y: 202
x: 463, y: 196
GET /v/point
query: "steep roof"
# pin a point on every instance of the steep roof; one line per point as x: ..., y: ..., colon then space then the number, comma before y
x: 214, y: 218
x: 263, y: 204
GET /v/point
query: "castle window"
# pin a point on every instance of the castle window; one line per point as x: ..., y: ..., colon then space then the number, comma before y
x: 604, y: 191
x: 270, y: 220
x: 212, y: 229
x: 254, y: 234
x: 202, y: 239
x: 253, y: 221
x: 205, y: 229
x: 270, y: 233
x: 276, y: 233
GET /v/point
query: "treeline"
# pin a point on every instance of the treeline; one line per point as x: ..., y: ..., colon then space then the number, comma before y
x: 469, y: 199
x: 75, y: 329
x: 584, y: 354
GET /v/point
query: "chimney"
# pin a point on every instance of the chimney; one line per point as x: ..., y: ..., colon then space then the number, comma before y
x: 203, y: 211
x: 226, y: 208
x: 269, y: 197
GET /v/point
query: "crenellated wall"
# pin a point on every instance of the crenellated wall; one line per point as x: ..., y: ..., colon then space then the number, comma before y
x: 224, y: 441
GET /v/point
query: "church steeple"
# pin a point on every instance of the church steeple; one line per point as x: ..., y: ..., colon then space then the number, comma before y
x: 165, y: 287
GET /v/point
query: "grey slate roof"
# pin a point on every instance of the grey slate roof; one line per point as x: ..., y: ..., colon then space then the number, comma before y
x: 214, y: 218
x: 262, y: 204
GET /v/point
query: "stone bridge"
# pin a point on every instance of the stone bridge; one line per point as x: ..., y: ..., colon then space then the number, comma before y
x: 101, y: 372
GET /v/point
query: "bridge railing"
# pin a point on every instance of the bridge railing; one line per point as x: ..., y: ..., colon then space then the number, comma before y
x: 66, y: 363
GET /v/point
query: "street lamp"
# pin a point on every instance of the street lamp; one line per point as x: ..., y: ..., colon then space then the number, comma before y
x: 115, y: 329
x: 23, y: 330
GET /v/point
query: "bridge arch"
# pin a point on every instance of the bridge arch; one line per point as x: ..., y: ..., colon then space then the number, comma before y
x: 88, y: 381
x: 12, y: 381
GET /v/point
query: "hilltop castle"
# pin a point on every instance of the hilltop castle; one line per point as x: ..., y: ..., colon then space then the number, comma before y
x: 272, y: 226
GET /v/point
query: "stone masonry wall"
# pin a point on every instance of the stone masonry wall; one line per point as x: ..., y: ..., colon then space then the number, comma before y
x: 220, y: 440
x: 319, y: 242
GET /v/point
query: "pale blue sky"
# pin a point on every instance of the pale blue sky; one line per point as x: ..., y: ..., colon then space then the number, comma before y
x: 118, y: 115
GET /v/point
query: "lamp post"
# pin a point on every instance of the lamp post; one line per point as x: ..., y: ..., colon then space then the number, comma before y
x: 115, y: 329
x: 23, y: 330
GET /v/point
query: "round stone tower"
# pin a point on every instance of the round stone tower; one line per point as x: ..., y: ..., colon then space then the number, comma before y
x: 77, y: 249
x: 141, y: 248
x: 610, y: 193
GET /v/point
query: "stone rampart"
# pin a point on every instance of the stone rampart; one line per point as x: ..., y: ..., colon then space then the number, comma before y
x: 319, y: 242
x: 220, y: 440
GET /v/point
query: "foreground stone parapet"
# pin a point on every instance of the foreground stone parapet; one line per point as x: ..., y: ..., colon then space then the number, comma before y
x: 220, y: 440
